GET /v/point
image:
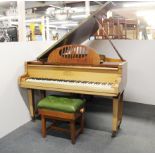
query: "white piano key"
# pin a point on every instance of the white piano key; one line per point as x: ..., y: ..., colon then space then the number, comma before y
x: 72, y: 83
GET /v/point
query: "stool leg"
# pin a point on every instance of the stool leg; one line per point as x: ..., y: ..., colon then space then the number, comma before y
x: 82, y: 120
x: 43, y: 129
x: 73, y: 132
x: 82, y: 123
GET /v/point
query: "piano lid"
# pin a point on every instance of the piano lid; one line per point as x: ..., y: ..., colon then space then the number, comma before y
x: 80, y: 33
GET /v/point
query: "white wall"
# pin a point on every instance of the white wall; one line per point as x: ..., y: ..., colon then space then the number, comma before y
x: 13, y: 109
x: 141, y: 66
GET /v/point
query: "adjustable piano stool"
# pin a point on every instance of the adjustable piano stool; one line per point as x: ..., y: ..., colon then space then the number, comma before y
x: 62, y: 109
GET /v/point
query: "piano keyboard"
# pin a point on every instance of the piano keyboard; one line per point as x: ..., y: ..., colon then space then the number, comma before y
x: 96, y: 85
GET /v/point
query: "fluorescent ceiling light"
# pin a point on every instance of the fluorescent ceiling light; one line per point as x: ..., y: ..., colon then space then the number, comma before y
x: 138, y: 4
x: 78, y: 9
x: 53, y: 26
x: 33, y: 20
x: 62, y: 22
x: 8, y: 17
x: 56, y: 27
x: 79, y: 16
x: 62, y: 27
x: 145, y: 13
x: 61, y: 16
x: 71, y: 24
x: 65, y: 25
x: 55, y: 6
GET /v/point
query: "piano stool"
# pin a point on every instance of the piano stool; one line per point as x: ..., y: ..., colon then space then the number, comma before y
x: 59, y: 108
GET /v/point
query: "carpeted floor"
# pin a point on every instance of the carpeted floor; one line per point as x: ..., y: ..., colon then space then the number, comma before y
x: 136, y: 135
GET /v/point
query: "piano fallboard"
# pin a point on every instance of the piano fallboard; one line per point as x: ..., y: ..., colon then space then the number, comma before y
x: 81, y: 73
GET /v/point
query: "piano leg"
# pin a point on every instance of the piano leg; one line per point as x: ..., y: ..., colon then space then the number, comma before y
x: 31, y: 103
x: 120, y: 109
x: 117, y: 113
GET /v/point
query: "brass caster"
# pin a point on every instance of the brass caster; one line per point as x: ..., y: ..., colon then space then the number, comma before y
x: 113, y: 134
x: 119, y: 126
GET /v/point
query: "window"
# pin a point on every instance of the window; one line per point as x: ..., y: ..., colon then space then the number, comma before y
x: 8, y: 21
x: 51, y: 20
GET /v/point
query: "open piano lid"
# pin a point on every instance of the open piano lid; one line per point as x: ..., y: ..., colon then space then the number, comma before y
x: 80, y: 33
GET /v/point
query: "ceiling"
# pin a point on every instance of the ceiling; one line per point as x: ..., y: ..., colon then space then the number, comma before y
x: 36, y: 9
x: 41, y: 6
x: 75, y: 11
x: 129, y: 9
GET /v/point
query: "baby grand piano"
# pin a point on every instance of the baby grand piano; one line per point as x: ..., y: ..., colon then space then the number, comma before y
x: 70, y: 67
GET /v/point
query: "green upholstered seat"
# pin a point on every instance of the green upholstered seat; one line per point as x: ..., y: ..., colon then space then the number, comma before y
x: 63, y: 104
